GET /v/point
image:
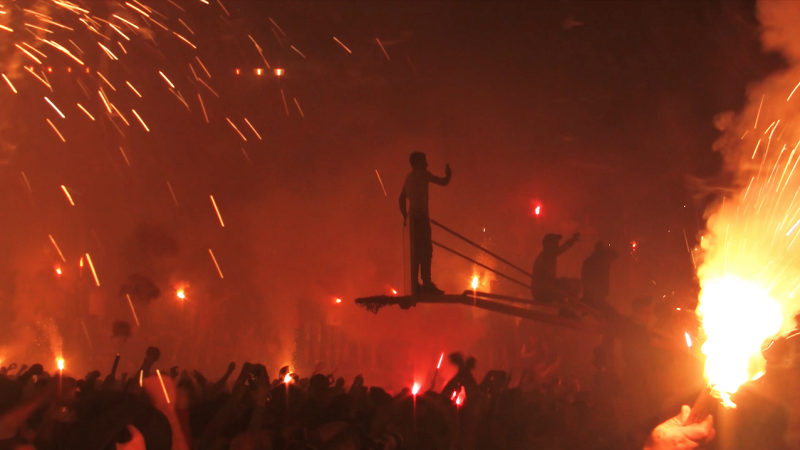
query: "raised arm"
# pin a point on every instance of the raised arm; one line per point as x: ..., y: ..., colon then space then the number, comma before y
x: 568, y: 245
x: 441, y: 181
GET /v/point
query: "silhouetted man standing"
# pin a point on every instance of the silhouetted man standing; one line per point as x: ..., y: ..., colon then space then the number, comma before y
x: 415, y: 190
x: 546, y: 286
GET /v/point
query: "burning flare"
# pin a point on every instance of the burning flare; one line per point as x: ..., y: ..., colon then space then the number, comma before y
x: 415, y: 389
x: 475, y: 282
x: 737, y: 316
x: 60, y: 364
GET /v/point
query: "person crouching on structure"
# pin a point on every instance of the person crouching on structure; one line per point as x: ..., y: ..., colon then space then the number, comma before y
x: 415, y: 190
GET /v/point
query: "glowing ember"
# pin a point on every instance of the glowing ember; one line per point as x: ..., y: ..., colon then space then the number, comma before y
x: 338, y: 300
x: 688, y: 339
x: 58, y: 270
x: 60, y: 364
x: 737, y: 316
x: 537, y: 210
x: 438, y: 366
x: 278, y: 72
x: 415, y: 389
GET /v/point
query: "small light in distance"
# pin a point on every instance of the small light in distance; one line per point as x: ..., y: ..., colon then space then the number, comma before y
x: 259, y: 71
x: 87, y: 70
x: 278, y: 72
x: 238, y: 71
x: 69, y: 69
x: 58, y: 270
x: 415, y: 389
x: 634, y: 245
x: 338, y: 300
x: 49, y: 70
x: 537, y: 210
x: 394, y: 291
x: 181, y: 295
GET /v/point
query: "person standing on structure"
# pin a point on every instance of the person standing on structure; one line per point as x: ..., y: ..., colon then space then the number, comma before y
x: 415, y: 191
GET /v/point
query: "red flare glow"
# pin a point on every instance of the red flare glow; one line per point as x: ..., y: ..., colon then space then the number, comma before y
x: 415, y: 389
x: 438, y: 366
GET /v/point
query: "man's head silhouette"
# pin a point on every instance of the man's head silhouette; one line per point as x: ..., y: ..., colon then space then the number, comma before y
x: 551, y: 241
x: 418, y: 161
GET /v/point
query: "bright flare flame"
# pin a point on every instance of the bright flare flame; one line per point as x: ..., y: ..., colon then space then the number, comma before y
x: 288, y: 378
x: 688, y: 339
x: 438, y: 366
x: 738, y: 316
x: 415, y: 389
x: 537, y: 210
x: 338, y: 300
x: 58, y: 271
x: 60, y: 364
x: 181, y: 294
x: 475, y: 282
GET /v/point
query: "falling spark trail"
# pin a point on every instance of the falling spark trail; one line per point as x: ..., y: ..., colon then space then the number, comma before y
x: 166, y: 79
x: 759, y: 112
x: 381, y: 182
x: 276, y: 26
x: 793, y: 227
x: 13, y: 89
x: 133, y: 89
x: 237, y: 130
x: 298, y: 107
x: 84, y: 110
x: 125, y: 156
x: 109, y: 53
x: 184, y: 40
x: 175, y: 199
x: 204, y: 109
x: 163, y: 388
x: 208, y: 87
x: 215, y: 263
x: 5, y: 28
x: 57, y: 249
x: 91, y: 266
x: 203, y: 66
x: 440, y: 361
x: 252, y: 128
x: 285, y: 106
x: 298, y: 51
x: 184, y: 24
x: 384, y: 50
x: 140, y: 120
x: 127, y: 22
x: 343, y: 46
x: 56, y: 130
x: 105, y: 102
x: 30, y: 55
x: 69, y: 197
x: 756, y: 149
x: 54, y: 107
x: 790, y: 95
x: 26, y: 182
x: 34, y: 49
x: 219, y: 216
x: 246, y: 156
x: 38, y: 77
x: 132, y: 310
x: 107, y: 82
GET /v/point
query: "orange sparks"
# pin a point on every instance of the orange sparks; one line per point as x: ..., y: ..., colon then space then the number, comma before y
x: 105, y: 102
x: 215, y: 263
x: 298, y: 51
x: 184, y: 40
x: 166, y: 79
x: 258, y: 71
x: 439, y: 366
x: 204, y: 107
x: 383, y: 49
x: 125, y: 156
x: 286, y: 107
x: 174, y: 198
x: 790, y: 95
x: 343, y: 46
x: 203, y: 66
x: 30, y: 70
x: 298, y: 107
x: 141, y: 376
x: 252, y: 128
x: 30, y: 55
x: 56, y: 130
x: 54, y: 107
x: 219, y: 216
x: 107, y: 82
x: 137, y: 9
x: 187, y: 26
x: 381, y: 182
x: 163, y: 388
x: 91, y: 266
x: 13, y: 89
x: 109, y: 53
x: 59, y: 47
x: 129, y: 23
x: 5, y: 28
x: 133, y: 89
x: 237, y: 130
x: 759, y: 112
x: 119, y: 31
x: 119, y: 114
x: 131, y: 305
x: 140, y: 120
x: 278, y: 72
x: 57, y: 249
